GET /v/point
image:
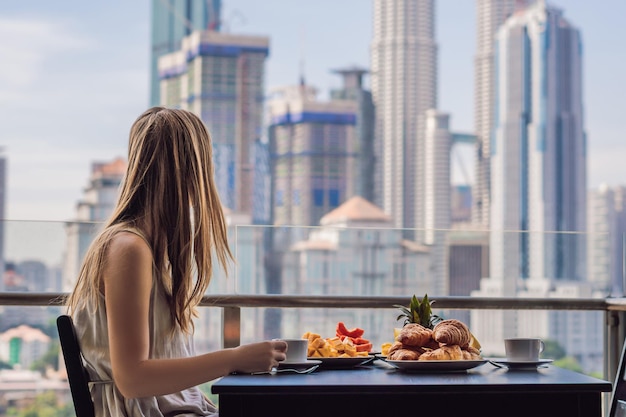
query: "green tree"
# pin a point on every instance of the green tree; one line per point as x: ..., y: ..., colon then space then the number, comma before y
x: 552, y: 350
x: 45, y: 405
x: 570, y: 363
x: 49, y: 359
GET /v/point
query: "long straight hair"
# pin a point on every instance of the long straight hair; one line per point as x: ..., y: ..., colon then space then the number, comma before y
x: 169, y: 189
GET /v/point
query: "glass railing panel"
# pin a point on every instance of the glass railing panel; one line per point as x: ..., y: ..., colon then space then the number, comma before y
x: 43, y: 256
x: 328, y: 260
x: 336, y: 260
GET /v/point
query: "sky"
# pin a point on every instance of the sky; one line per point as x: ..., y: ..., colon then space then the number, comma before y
x: 74, y: 75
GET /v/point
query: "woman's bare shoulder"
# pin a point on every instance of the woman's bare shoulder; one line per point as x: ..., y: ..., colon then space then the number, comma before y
x: 126, y: 243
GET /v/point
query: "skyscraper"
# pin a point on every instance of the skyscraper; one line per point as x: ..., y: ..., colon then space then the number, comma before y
x: 437, y: 191
x: 538, y: 176
x: 173, y: 20
x: 436, y: 196
x: 312, y: 146
x: 221, y: 78
x: 97, y: 204
x: 490, y: 14
x: 404, y: 86
x: 606, y: 239
x: 262, y: 189
x: 364, y: 166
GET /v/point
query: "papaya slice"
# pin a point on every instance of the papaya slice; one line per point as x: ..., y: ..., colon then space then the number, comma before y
x: 342, y: 330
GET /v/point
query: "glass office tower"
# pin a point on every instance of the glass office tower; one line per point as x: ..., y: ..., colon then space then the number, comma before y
x: 538, y: 158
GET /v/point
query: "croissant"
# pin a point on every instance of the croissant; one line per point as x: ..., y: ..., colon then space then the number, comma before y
x: 452, y: 332
x: 469, y: 355
x: 394, y: 347
x: 432, y: 344
x: 473, y: 350
x: 398, y: 345
x: 404, y: 355
x: 414, y: 334
x: 444, y: 353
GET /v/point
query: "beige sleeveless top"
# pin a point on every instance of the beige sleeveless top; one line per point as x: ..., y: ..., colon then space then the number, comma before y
x: 91, y: 329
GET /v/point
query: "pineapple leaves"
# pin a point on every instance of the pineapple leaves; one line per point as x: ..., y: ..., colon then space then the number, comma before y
x: 419, y: 312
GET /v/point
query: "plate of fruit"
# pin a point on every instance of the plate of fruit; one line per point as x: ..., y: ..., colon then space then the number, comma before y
x: 346, y: 350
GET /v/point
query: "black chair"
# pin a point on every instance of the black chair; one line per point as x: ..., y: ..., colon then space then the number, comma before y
x: 76, y: 373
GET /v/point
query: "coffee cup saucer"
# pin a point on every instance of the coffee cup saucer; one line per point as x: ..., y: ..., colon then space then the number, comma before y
x: 516, y: 364
x: 298, y: 364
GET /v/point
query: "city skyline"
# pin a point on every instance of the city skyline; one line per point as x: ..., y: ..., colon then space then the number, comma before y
x: 74, y: 86
x: 538, y: 161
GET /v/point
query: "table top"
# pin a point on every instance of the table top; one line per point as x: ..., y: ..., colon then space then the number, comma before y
x: 381, y: 377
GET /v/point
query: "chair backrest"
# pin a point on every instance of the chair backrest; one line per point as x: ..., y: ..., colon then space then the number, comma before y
x: 618, y: 396
x: 76, y: 373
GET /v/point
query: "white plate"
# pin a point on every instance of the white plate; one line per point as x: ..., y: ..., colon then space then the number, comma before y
x: 344, y: 363
x: 521, y: 364
x: 299, y: 365
x: 446, y: 366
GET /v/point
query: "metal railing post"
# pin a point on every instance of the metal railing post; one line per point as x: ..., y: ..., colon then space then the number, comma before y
x: 614, y: 341
x: 231, y: 327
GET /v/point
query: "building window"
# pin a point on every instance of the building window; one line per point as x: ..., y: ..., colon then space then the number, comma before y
x: 296, y: 197
x: 279, y: 198
x: 318, y: 197
x: 333, y: 198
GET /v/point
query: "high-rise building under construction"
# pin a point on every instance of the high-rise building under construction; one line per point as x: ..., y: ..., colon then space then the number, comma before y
x: 172, y: 20
x: 220, y: 77
x: 312, y: 147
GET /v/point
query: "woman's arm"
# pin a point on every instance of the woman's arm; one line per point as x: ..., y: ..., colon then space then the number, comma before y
x: 127, y: 288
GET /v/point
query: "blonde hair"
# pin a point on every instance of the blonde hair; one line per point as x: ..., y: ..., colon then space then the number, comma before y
x: 170, y: 171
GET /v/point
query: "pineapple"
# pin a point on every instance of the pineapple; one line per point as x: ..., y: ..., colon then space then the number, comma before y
x: 419, y: 312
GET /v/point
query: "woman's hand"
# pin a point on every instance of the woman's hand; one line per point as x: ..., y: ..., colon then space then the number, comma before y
x: 259, y: 357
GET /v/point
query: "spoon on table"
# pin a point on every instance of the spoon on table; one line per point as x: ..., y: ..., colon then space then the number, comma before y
x: 275, y: 371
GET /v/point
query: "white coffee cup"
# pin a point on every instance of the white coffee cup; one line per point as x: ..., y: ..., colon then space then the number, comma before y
x: 523, y: 349
x: 297, y: 350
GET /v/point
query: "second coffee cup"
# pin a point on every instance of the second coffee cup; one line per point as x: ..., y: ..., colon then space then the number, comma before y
x: 523, y: 349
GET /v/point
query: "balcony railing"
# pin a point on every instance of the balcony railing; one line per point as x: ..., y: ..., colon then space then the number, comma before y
x: 614, y: 310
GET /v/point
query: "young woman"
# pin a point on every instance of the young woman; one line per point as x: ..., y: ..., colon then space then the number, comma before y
x: 145, y: 273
